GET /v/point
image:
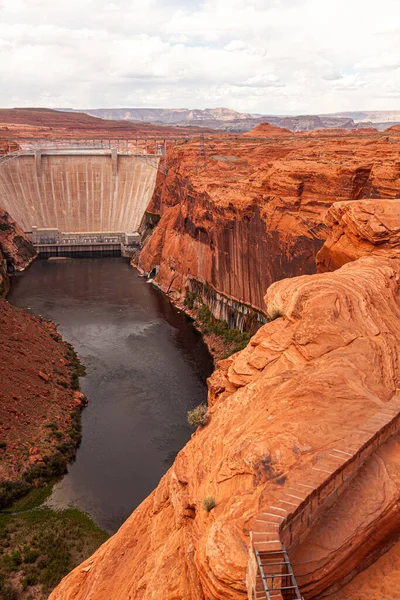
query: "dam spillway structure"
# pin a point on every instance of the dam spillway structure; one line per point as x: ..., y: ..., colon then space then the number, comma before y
x: 74, y: 193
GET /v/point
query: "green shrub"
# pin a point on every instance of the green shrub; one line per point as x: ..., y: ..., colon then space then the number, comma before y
x: 64, y: 384
x: 191, y: 298
x: 5, y: 227
x: 74, y: 361
x: 28, y: 580
x: 3, y: 445
x: 209, y: 503
x: 7, y: 592
x: 30, y: 556
x: 237, y: 339
x: 74, y: 381
x: 198, y: 417
x: 11, y: 491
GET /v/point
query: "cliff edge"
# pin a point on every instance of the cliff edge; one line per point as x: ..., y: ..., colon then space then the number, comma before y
x: 232, y: 216
x: 324, y: 366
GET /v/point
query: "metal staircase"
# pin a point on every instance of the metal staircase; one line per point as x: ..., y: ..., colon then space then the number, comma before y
x: 276, y: 576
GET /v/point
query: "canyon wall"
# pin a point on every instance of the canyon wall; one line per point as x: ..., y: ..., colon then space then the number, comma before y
x: 235, y: 215
x: 16, y: 251
x: 307, y: 381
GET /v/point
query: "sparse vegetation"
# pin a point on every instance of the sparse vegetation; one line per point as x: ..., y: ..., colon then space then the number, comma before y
x: 198, y: 417
x: 192, y: 299
x: 74, y: 381
x: 52, y: 466
x: 209, y: 503
x: 74, y: 361
x: 5, y: 227
x: 40, y: 546
x: 234, y: 339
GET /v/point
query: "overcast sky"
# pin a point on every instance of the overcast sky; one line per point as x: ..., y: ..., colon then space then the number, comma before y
x: 267, y: 56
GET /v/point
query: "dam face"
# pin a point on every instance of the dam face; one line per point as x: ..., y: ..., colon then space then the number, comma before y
x: 78, y: 191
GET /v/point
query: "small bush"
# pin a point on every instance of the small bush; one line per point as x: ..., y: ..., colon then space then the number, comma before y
x: 209, y: 503
x: 237, y: 340
x: 3, y: 445
x: 74, y: 381
x: 10, y: 491
x: 29, y: 580
x: 64, y: 384
x: 191, y: 298
x: 198, y: 417
x: 30, y: 556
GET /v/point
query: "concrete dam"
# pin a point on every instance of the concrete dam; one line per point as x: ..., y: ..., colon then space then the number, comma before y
x: 77, y: 191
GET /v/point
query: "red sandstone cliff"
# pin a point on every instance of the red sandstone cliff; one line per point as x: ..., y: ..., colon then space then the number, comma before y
x: 239, y: 214
x: 310, y: 379
x: 14, y: 247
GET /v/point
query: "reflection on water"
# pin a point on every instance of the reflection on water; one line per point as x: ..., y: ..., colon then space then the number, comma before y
x: 146, y: 367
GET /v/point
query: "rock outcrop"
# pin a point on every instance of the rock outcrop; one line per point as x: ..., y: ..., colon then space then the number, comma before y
x: 267, y: 130
x: 236, y: 215
x: 325, y: 365
x: 15, y: 249
x: 359, y: 229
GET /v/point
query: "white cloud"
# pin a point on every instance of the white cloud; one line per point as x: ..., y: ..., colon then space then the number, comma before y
x: 268, y: 56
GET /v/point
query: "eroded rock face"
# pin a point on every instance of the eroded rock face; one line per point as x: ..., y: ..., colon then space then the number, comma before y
x: 14, y: 247
x: 359, y: 229
x: 241, y: 214
x: 326, y: 363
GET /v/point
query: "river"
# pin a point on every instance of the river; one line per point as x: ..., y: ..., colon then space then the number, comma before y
x: 146, y: 367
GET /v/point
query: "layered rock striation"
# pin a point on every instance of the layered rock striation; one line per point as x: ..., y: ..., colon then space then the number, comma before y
x: 235, y: 215
x: 321, y: 370
x: 16, y: 251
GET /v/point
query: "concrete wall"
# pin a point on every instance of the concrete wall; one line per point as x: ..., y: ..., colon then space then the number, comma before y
x: 78, y: 193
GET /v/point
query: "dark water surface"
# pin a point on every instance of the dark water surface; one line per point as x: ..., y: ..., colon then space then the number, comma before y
x: 146, y: 367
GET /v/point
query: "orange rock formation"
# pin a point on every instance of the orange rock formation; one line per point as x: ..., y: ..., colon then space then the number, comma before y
x: 359, y: 229
x: 267, y: 130
x: 240, y: 213
x: 323, y: 369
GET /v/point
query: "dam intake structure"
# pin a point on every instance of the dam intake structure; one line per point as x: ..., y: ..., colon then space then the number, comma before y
x: 73, y: 195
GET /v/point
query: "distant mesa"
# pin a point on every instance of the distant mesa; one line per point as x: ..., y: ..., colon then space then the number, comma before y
x: 267, y: 130
x: 394, y: 129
